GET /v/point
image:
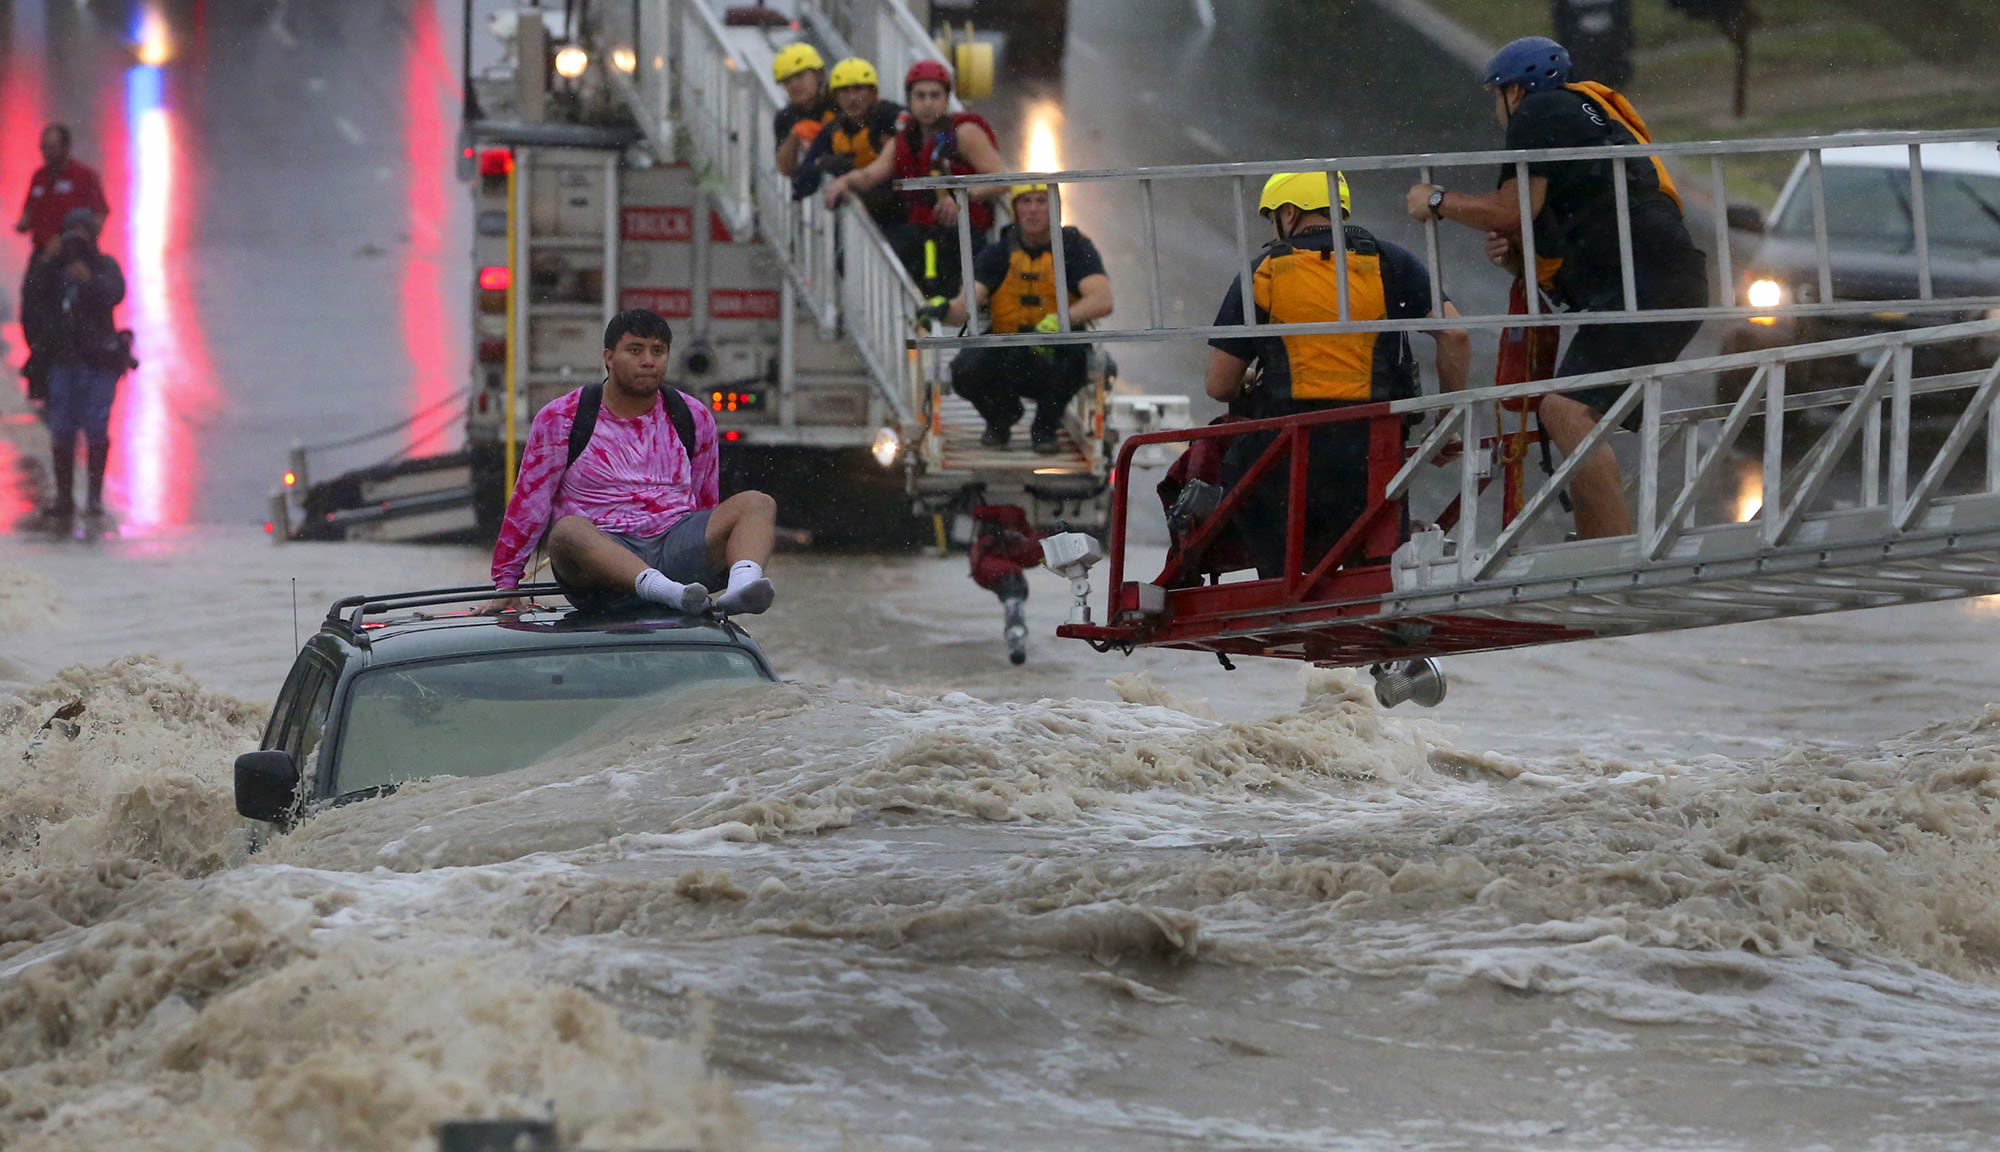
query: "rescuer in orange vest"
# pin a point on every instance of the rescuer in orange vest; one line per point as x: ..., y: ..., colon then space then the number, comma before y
x: 859, y: 136
x: 809, y: 107
x: 1574, y: 207
x: 1015, y: 280
x: 1296, y: 281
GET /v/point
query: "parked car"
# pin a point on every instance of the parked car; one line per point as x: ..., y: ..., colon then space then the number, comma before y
x: 393, y: 689
x: 1871, y: 250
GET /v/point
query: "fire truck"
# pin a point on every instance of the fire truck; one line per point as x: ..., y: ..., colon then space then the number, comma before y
x: 620, y: 156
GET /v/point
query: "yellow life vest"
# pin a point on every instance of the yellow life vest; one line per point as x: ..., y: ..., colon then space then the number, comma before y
x: 1295, y: 285
x: 1028, y: 292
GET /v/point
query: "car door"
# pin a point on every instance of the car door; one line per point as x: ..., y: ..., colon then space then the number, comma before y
x: 299, y: 722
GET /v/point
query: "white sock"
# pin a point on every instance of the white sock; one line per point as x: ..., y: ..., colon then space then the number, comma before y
x: 654, y: 585
x: 743, y: 572
x: 748, y: 590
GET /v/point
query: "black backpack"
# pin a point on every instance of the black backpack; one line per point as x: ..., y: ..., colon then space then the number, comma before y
x: 592, y: 400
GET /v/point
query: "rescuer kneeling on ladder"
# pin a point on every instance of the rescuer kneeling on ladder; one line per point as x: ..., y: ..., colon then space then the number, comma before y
x: 1575, y: 210
x: 1296, y: 281
x: 1015, y: 278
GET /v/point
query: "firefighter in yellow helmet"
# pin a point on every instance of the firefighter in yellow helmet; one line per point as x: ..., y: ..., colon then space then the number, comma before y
x: 1015, y: 280
x: 864, y: 128
x: 808, y: 108
x: 1296, y: 281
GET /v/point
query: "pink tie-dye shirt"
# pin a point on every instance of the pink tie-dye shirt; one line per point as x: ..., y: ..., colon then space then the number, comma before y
x: 634, y: 478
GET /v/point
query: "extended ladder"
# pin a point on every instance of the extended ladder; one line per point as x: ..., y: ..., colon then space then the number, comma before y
x: 1855, y: 505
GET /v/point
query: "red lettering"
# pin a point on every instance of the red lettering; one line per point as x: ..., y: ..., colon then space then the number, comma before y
x: 736, y: 304
x: 657, y: 225
x: 672, y: 303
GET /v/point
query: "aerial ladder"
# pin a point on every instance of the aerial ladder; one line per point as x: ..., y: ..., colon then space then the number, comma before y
x: 1783, y: 502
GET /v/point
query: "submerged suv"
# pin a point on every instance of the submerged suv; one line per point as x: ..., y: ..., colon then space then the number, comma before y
x: 1871, y: 247
x: 395, y: 688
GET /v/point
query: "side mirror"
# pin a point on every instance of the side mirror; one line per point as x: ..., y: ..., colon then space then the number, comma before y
x: 267, y: 785
x: 1745, y: 218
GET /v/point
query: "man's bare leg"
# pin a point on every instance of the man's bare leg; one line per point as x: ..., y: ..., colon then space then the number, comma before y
x: 743, y: 527
x: 586, y: 556
x: 1595, y: 487
x: 741, y: 533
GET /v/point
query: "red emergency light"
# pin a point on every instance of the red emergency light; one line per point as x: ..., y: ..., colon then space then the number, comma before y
x: 496, y: 162
x: 496, y: 278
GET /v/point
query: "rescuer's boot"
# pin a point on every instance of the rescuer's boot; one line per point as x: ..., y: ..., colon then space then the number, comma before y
x: 62, y: 468
x: 94, y: 480
x: 1015, y: 610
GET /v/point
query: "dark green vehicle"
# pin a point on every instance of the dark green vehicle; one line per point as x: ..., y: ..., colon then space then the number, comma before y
x: 402, y: 687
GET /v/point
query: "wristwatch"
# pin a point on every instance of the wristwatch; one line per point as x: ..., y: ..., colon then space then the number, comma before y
x: 1437, y: 203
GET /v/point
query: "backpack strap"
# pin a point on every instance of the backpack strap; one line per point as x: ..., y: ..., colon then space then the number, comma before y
x: 584, y: 426
x: 591, y: 400
x: 677, y: 411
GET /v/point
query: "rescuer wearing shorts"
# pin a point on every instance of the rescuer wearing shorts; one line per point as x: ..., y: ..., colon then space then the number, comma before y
x: 1015, y: 279
x: 1296, y: 281
x: 1575, y: 212
x: 627, y: 494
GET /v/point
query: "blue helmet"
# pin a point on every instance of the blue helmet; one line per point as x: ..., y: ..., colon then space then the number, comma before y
x: 1536, y: 63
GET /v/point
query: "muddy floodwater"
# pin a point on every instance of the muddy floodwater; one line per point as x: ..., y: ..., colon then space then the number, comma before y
x: 1732, y: 889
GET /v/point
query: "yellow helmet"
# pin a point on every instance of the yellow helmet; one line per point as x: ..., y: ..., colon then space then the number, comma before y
x: 1306, y: 190
x: 794, y: 60
x: 1020, y: 190
x: 853, y: 72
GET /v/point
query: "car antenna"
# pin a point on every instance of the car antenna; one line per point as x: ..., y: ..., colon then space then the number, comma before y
x: 295, y: 615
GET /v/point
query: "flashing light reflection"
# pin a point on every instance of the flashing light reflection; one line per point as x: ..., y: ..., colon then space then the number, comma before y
x: 153, y: 458
x: 428, y: 326
x: 22, y: 115
x: 1044, y: 153
x: 155, y: 45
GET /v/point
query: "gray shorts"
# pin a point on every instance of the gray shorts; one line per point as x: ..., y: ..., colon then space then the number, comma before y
x: 680, y: 553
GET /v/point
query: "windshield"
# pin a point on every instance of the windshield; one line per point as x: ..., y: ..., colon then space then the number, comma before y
x: 492, y: 714
x: 1871, y: 206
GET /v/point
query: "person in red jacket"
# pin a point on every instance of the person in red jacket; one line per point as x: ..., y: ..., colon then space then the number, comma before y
x: 932, y: 140
x: 58, y: 187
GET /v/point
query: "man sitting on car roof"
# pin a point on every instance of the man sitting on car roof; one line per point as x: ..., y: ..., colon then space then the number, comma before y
x: 621, y: 477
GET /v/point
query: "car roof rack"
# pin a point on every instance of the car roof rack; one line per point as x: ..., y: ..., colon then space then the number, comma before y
x: 359, y: 607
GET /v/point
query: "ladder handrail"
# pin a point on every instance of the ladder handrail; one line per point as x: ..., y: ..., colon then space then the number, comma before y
x: 1485, y: 550
x: 1412, y: 160
x: 727, y: 109
x: 1232, y: 179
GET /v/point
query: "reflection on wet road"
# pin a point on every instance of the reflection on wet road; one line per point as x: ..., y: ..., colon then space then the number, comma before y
x: 283, y: 205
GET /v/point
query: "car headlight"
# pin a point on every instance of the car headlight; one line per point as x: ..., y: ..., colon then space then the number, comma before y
x: 1765, y: 293
x: 888, y: 442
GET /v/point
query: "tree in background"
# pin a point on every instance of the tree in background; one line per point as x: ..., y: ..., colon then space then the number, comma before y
x: 1736, y: 18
